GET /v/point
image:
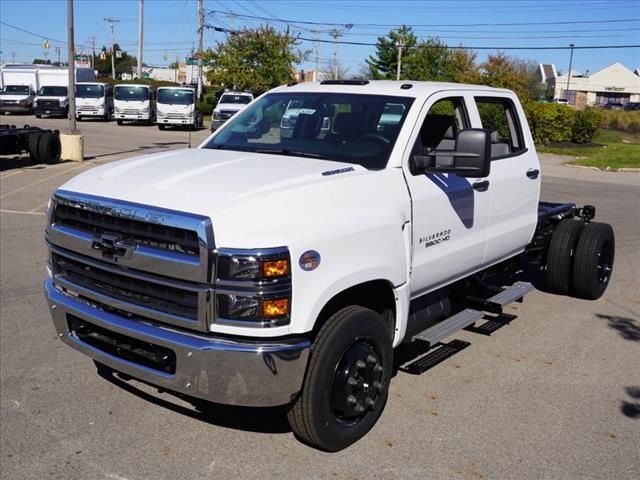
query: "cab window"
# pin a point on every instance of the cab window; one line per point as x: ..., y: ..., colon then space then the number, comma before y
x: 499, y: 116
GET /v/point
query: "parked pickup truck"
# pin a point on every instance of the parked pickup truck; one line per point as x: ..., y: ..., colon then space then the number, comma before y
x: 263, y: 270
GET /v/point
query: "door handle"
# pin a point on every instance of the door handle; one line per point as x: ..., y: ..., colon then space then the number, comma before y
x: 481, y: 186
x: 533, y: 173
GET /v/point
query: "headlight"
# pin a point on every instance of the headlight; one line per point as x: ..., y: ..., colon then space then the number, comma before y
x: 253, y: 267
x: 252, y: 308
x: 161, y: 114
x: 118, y: 110
x: 23, y: 103
x: 216, y: 114
x: 254, y: 286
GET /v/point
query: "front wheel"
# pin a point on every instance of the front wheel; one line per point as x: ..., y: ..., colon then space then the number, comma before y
x: 347, y: 381
x: 119, y: 122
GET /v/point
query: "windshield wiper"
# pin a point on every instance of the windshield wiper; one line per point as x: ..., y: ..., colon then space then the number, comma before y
x: 287, y: 151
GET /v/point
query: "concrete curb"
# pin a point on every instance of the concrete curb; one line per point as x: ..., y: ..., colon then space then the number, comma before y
x: 608, y: 170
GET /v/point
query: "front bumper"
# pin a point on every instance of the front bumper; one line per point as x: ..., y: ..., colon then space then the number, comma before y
x: 133, y: 117
x: 50, y: 110
x: 175, y: 121
x: 90, y: 113
x: 15, y: 108
x: 224, y: 370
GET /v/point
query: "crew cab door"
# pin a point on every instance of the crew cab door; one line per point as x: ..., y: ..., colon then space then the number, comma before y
x: 514, y: 181
x: 449, y: 212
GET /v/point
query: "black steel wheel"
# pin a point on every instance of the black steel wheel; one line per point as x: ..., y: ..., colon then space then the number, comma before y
x: 561, y: 254
x: 34, y: 138
x: 346, y: 386
x: 49, y: 148
x: 593, y: 264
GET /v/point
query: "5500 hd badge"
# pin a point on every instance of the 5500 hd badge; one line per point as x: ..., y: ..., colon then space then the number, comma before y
x: 435, y: 238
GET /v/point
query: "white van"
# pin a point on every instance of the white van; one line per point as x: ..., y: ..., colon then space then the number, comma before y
x: 94, y: 100
x: 176, y: 106
x: 134, y: 103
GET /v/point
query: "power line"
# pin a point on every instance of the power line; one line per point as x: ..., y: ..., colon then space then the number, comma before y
x: 307, y: 22
x: 53, y: 40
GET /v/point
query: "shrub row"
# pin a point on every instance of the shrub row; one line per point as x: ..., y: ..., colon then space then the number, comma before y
x: 623, y: 120
x: 553, y: 123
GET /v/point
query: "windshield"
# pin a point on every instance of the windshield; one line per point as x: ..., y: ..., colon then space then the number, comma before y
x: 241, y: 99
x: 89, y: 91
x: 138, y: 94
x: 15, y: 90
x: 53, y: 91
x: 331, y: 126
x: 175, y: 97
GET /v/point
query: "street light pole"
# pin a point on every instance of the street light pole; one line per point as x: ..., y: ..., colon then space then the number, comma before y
x: 566, y: 94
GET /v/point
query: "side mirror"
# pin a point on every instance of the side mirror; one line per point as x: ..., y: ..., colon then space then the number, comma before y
x: 471, y: 157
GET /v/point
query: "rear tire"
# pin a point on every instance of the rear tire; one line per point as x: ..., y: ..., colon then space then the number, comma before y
x: 34, y: 138
x: 561, y: 254
x: 49, y: 148
x: 593, y: 261
x: 346, y: 385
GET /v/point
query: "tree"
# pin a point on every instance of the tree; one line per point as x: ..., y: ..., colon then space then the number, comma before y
x: 41, y: 61
x: 384, y: 63
x: 254, y: 60
x: 503, y: 71
x: 429, y: 59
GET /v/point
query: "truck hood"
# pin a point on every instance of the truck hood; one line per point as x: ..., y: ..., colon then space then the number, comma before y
x: 209, y: 182
x: 14, y: 98
x: 236, y: 107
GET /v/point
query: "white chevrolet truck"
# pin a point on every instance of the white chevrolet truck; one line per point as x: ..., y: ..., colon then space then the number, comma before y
x: 262, y: 270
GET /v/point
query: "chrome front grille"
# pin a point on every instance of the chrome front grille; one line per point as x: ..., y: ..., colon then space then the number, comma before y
x: 87, y: 108
x: 99, y: 278
x: 147, y: 261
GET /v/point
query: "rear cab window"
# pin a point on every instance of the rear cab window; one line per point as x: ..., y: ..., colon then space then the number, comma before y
x: 500, y: 117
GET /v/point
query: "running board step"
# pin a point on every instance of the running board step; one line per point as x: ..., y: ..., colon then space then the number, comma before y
x: 496, y: 303
x: 433, y: 335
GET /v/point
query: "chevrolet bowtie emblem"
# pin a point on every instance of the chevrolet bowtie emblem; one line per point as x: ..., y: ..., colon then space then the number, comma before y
x: 112, y: 247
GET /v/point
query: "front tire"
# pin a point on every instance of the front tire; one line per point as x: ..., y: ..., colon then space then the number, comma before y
x: 594, y: 261
x: 119, y: 122
x: 346, y: 386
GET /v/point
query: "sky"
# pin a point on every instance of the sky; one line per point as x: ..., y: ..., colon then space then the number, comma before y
x: 170, y: 27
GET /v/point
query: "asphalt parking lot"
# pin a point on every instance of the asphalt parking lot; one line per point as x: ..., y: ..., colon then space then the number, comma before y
x: 554, y: 394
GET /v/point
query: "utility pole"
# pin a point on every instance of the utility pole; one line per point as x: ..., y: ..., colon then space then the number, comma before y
x: 140, y: 33
x: 317, y: 49
x: 200, y: 32
x: 400, y: 45
x: 335, y: 33
x: 113, y: 46
x: 93, y: 50
x: 71, y: 69
x: 566, y: 93
x: 58, y: 50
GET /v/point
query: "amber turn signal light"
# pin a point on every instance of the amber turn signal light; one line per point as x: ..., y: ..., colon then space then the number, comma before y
x: 275, y: 268
x: 271, y: 308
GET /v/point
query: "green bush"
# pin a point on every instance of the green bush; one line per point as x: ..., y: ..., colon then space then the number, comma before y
x: 550, y: 122
x: 585, y: 125
x: 623, y: 120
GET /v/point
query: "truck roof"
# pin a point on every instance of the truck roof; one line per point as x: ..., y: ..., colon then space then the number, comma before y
x: 403, y: 88
x: 133, y: 85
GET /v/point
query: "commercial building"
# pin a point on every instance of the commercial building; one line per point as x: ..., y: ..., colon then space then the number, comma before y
x: 615, y: 83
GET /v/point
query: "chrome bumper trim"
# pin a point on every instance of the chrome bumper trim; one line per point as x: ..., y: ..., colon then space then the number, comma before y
x: 221, y: 370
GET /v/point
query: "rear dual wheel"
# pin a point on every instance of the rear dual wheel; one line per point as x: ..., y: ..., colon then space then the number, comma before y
x: 44, y: 147
x: 580, y: 258
x: 347, y: 381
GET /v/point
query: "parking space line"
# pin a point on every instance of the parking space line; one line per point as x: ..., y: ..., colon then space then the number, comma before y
x: 39, y: 207
x: 18, y: 212
x: 11, y: 174
x: 25, y: 187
